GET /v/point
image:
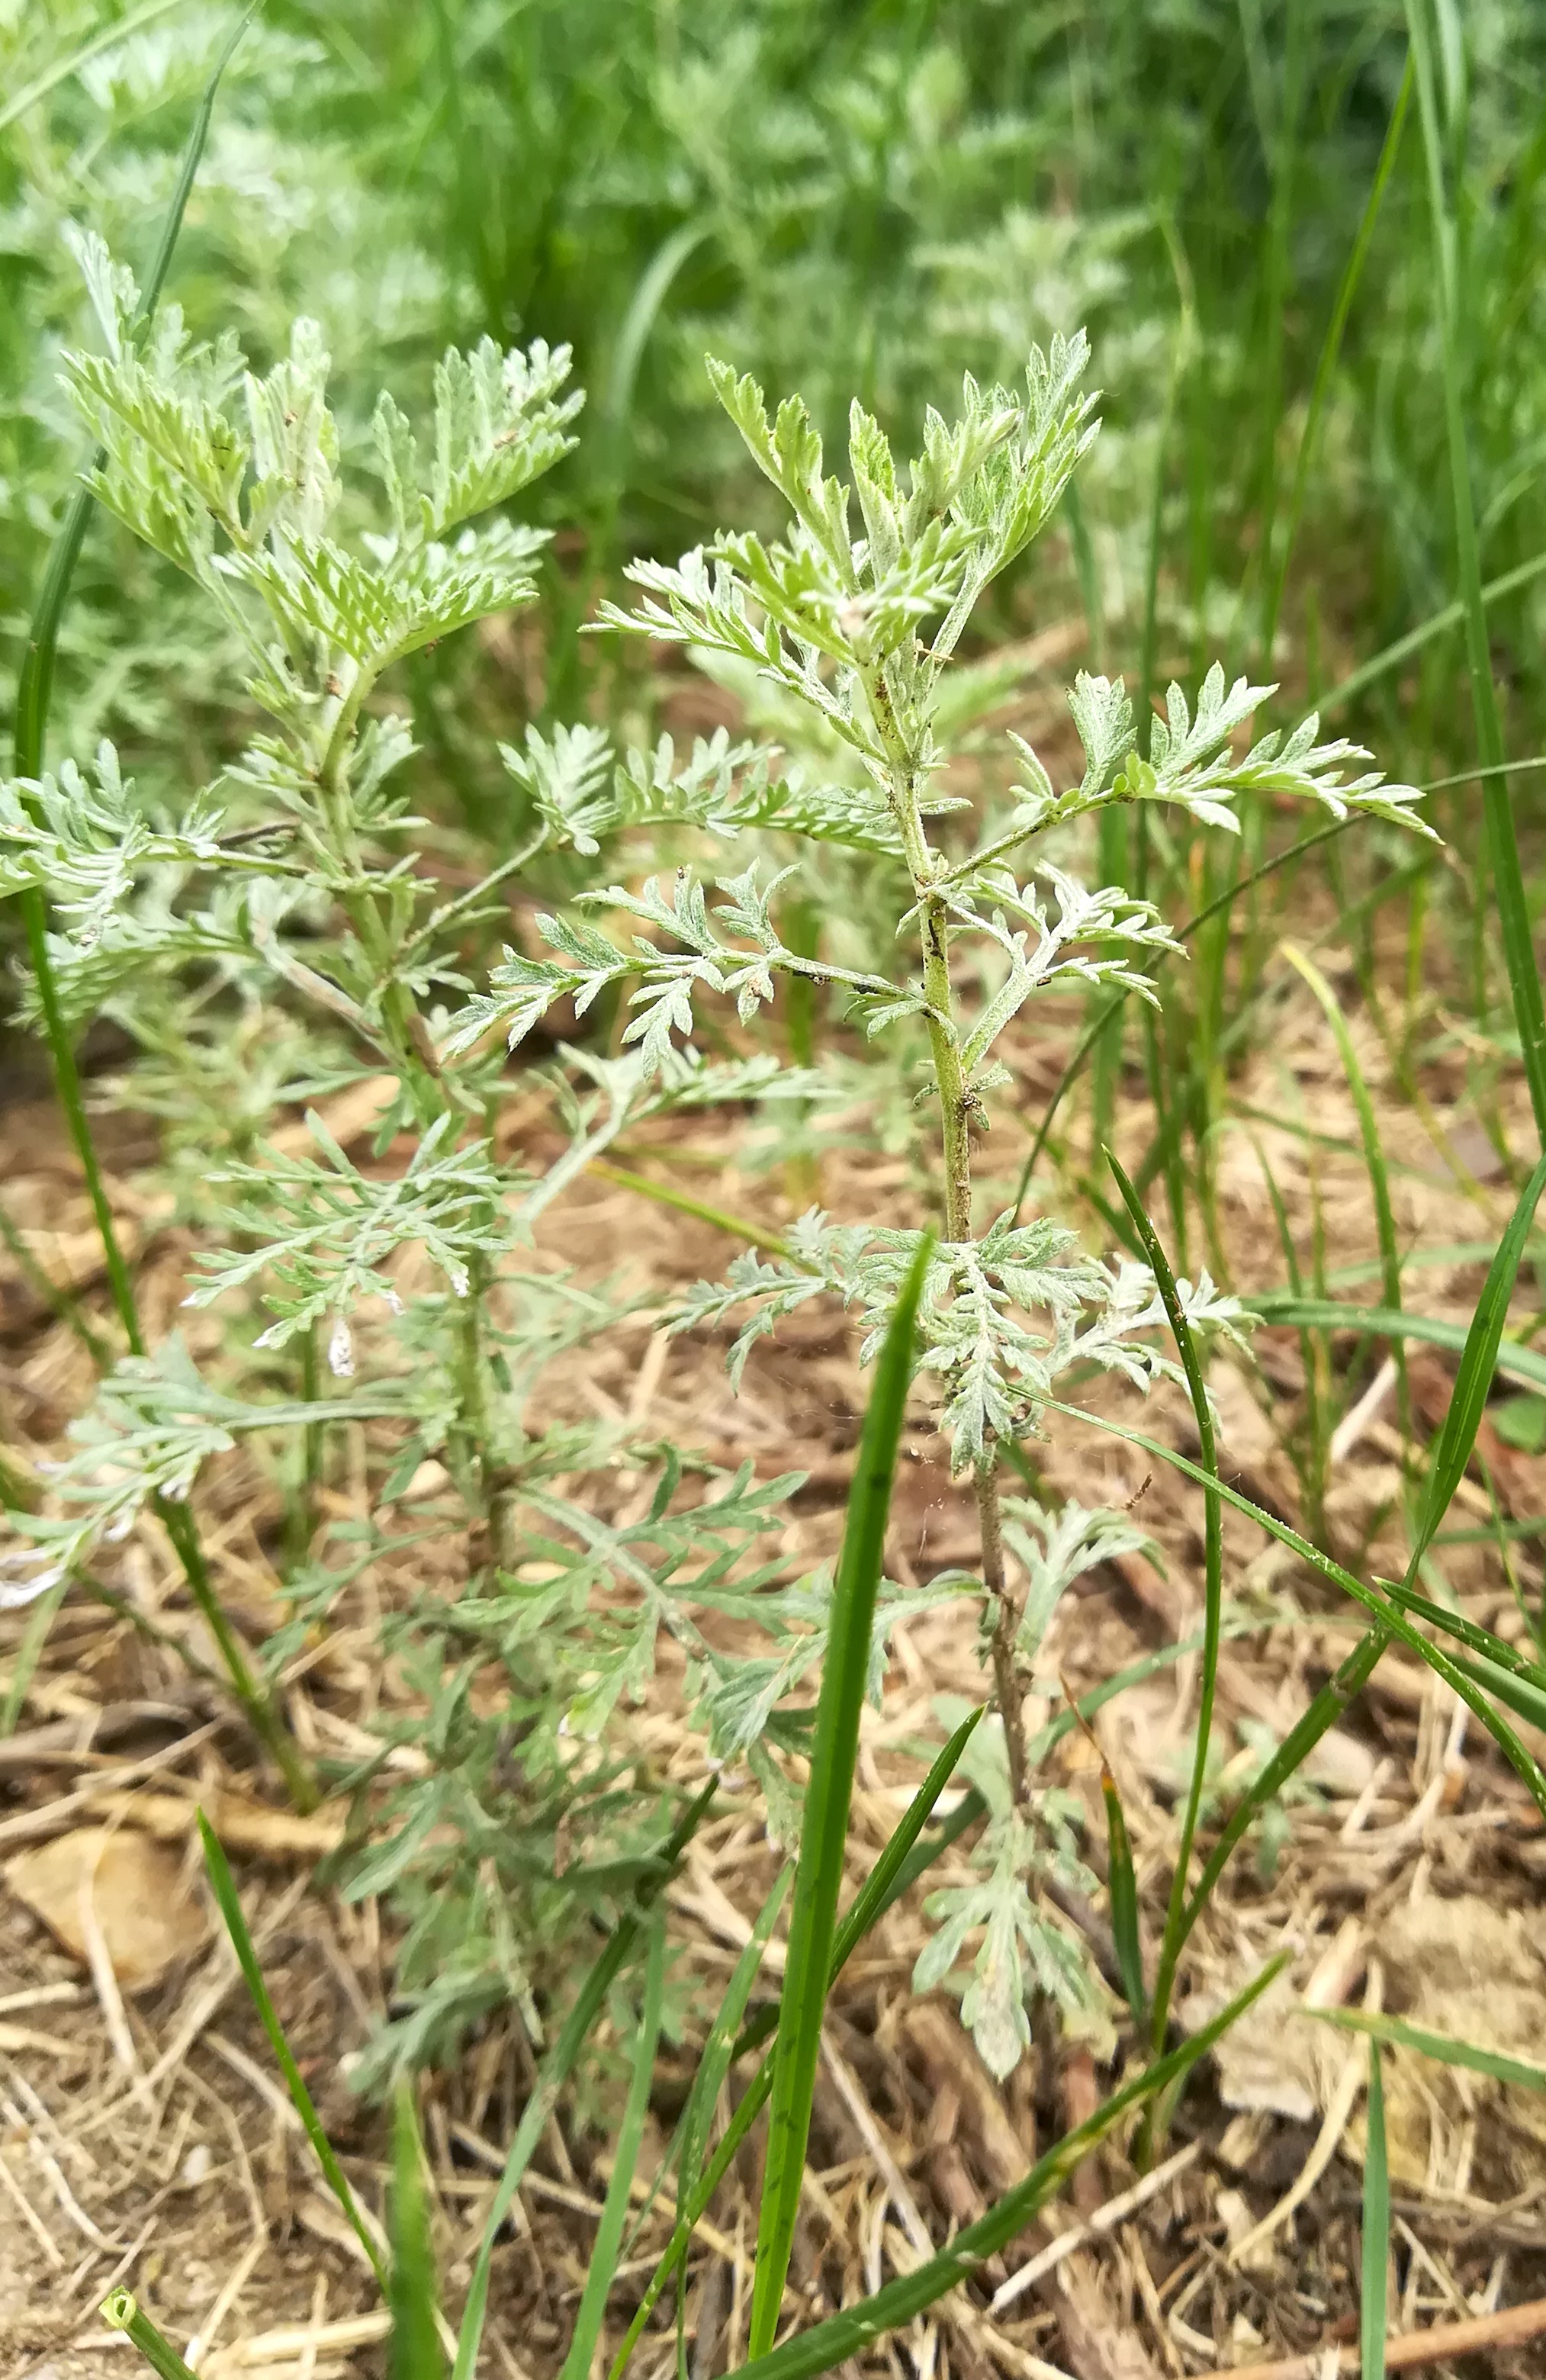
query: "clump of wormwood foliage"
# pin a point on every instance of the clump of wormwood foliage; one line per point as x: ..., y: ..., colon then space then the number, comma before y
x: 283, y: 913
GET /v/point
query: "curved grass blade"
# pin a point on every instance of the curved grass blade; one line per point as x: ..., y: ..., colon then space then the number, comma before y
x: 858, y: 2326
x: 1503, y: 850
x: 121, y: 2313
x: 626, y: 2156
x: 1439, y: 623
x: 1521, y: 1696
x: 888, y: 1879
x: 1375, y: 2251
x: 1468, y: 1632
x: 222, y: 1885
x: 1513, y: 1360
x: 824, y: 1833
x: 1341, y: 1689
x: 1478, y: 1362
x: 554, y: 2071
x: 1386, y: 1613
x: 1212, y: 1610
x: 1396, y: 2033
x: 414, y: 2352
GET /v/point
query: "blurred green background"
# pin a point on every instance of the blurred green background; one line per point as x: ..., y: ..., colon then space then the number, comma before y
x: 1231, y: 195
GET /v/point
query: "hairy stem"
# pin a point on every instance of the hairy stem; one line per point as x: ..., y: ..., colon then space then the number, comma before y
x: 1006, y: 1610
x: 955, y: 1116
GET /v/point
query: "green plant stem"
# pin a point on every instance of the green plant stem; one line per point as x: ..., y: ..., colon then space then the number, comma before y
x: 121, y: 2313
x: 955, y: 1114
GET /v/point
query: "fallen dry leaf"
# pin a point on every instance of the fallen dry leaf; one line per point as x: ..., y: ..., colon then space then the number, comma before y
x: 148, y: 1919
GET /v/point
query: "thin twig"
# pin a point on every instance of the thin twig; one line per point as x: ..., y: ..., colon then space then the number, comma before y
x: 1514, y: 2326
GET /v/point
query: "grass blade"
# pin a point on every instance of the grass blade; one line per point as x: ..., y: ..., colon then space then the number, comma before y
x: 1330, y: 350
x: 889, y: 1878
x: 28, y: 1651
x: 414, y: 2352
x: 121, y: 2313
x: 1396, y: 2033
x: 1513, y: 1360
x: 854, y: 2331
x: 554, y: 2074
x: 723, y: 2045
x: 614, y: 2212
x: 1375, y: 2254
x: 1468, y: 1632
x: 1212, y: 1541
x: 1122, y: 1881
x: 1503, y: 850
x: 1378, y: 1607
x: 1479, y: 1361
x: 1340, y: 1689
x: 222, y: 1885
x: 824, y: 1833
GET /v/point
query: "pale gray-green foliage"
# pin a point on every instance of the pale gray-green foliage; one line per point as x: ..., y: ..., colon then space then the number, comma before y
x: 1021, y: 1942
x: 288, y: 889
x: 854, y: 618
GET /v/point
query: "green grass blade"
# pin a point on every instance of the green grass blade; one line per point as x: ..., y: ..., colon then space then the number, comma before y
x: 1468, y: 1632
x: 1331, y: 349
x: 1390, y: 657
x: 554, y: 2072
x: 824, y: 1832
x: 28, y: 1651
x: 1396, y: 2033
x: 1479, y: 1361
x: 626, y: 2156
x: 222, y: 1885
x: 1519, y: 1695
x: 1503, y: 850
x: 1378, y: 1607
x: 723, y: 2045
x: 121, y: 2313
x: 1513, y: 1360
x: 1212, y: 1540
x: 1122, y: 1884
x: 904, y: 1857
x: 1375, y: 2253
x: 855, y: 2330
x: 1340, y: 1689
x: 890, y: 1875
x: 414, y: 2352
